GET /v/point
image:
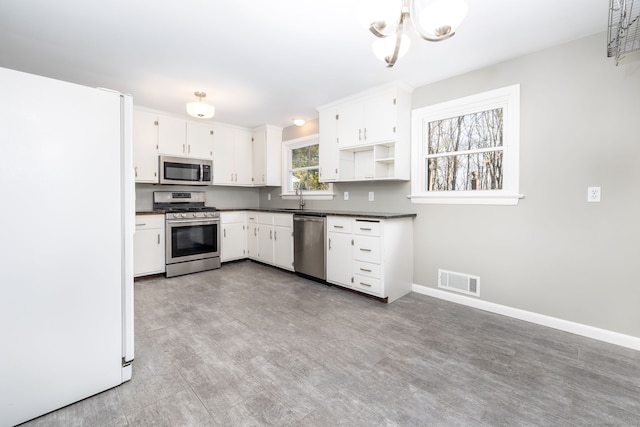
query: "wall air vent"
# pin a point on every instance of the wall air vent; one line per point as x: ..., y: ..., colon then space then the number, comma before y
x: 459, y: 282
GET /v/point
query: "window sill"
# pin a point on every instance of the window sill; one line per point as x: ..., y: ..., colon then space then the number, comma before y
x: 323, y: 196
x: 504, y: 199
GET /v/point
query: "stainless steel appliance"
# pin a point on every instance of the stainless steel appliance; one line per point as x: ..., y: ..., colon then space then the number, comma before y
x: 181, y: 170
x: 192, y: 232
x: 309, y: 245
x: 66, y: 312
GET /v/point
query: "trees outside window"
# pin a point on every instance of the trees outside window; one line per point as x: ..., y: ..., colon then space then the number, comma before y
x: 466, y: 150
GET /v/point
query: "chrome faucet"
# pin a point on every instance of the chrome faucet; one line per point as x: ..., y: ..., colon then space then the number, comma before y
x: 299, y: 191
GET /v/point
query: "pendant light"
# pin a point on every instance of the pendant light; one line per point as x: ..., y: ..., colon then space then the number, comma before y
x: 200, y: 109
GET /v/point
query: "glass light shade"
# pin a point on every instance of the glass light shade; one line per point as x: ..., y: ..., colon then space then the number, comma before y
x: 442, y: 14
x: 298, y: 122
x: 200, y: 110
x: 387, y: 11
x: 384, y: 47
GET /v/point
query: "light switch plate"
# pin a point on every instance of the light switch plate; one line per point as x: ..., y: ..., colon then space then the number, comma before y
x: 371, y: 197
x: 346, y: 195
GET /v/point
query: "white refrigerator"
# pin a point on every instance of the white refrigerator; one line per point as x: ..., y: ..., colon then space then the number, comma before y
x: 66, y: 243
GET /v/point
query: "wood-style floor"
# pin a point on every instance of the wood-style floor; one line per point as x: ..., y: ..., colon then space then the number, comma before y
x: 250, y: 345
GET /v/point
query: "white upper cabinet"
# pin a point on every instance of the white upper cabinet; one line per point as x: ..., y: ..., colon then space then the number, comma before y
x: 267, y: 158
x: 145, y: 146
x: 367, y: 136
x: 172, y: 136
x: 328, y: 140
x: 200, y: 140
x: 182, y: 138
x: 232, y: 156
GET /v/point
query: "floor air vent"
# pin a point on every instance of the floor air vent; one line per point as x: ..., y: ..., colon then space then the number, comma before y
x: 459, y: 282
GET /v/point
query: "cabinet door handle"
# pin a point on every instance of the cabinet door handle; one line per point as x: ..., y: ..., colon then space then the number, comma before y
x: 329, y: 244
x: 236, y: 177
x: 224, y: 232
x: 158, y: 238
x: 189, y: 145
x: 275, y: 235
x: 365, y: 269
x: 231, y: 177
x: 255, y: 231
x: 136, y: 169
x: 365, y: 250
x: 184, y: 148
x: 359, y: 134
x: 270, y: 234
x: 365, y: 134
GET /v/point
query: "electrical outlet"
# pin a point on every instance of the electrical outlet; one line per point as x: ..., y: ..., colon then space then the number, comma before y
x: 371, y: 196
x: 346, y: 195
x: 269, y: 196
x: 593, y: 194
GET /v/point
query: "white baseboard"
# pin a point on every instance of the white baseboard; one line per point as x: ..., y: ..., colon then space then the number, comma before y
x: 528, y: 316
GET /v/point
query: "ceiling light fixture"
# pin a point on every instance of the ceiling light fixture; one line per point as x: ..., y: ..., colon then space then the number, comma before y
x: 299, y: 122
x: 200, y: 109
x: 433, y: 21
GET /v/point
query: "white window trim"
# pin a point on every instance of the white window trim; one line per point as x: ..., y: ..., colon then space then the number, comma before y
x: 287, y: 146
x: 509, y: 99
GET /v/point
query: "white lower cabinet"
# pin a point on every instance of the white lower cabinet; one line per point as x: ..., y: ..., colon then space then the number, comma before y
x: 252, y: 235
x: 268, y: 238
x: 148, y: 245
x: 275, y: 239
x: 371, y: 256
x: 234, y: 235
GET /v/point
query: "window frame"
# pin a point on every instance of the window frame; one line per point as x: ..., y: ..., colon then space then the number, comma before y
x: 507, y: 98
x: 287, y: 158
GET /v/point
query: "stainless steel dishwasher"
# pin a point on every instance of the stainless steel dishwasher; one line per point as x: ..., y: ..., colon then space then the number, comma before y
x: 309, y: 237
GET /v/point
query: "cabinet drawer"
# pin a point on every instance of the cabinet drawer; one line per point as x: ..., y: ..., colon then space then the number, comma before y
x: 283, y: 220
x: 339, y: 224
x: 252, y: 216
x: 147, y: 222
x: 229, y: 217
x: 367, y: 284
x: 366, y: 269
x: 367, y: 228
x: 366, y: 249
x: 265, y: 219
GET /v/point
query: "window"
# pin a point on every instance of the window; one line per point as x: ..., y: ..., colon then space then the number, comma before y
x: 302, y: 169
x: 466, y: 150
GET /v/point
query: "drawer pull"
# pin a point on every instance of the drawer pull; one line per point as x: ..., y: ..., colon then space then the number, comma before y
x: 365, y: 229
x: 365, y: 250
x: 365, y: 284
x: 338, y: 226
x: 365, y: 269
x: 140, y: 225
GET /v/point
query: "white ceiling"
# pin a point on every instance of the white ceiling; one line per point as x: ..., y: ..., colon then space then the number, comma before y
x: 263, y: 61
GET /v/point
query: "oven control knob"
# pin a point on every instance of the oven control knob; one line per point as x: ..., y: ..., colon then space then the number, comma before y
x: 183, y: 215
x: 195, y: 215
x: 175, y: 215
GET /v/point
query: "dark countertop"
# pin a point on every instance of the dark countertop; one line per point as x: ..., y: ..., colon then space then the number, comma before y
x: 152, y: 212
x: 312, y: 212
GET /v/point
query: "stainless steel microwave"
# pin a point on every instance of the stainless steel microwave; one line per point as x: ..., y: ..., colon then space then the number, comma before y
x: 181, y: 170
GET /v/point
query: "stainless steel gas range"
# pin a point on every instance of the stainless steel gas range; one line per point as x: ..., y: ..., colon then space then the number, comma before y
x: 192, y: 231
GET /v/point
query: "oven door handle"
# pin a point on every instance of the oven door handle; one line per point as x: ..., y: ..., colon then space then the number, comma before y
x: 195, y: 221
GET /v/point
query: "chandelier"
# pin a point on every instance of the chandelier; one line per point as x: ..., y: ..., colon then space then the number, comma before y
x: 387, y: 19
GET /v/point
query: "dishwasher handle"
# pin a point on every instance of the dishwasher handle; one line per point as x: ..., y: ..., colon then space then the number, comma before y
x: 308, y: 218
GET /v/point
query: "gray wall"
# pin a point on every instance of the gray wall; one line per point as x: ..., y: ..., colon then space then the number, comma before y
x: 220, y: 197
x: 554, y: 253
